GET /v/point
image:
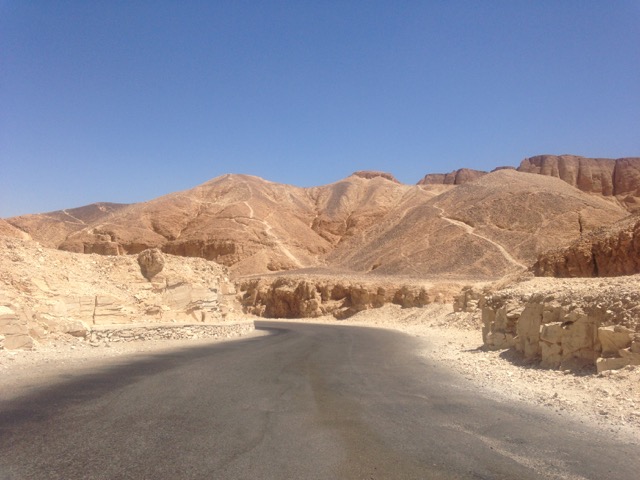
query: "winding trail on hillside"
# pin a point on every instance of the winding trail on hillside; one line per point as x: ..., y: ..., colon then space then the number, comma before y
x: 268, y: 230
x: 470, y: 230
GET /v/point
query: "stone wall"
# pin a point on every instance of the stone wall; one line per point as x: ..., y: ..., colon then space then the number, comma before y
x: 99, y: 335
x: 568, y: 328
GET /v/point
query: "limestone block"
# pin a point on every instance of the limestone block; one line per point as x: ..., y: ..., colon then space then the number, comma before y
x: 528, y: 330
x: 612, y: 339
x: 551, y: 333
x: 488, y: 319
x: 579, y: 338
x: 632, y: 358
x: 51, y: 324
x: 551, y: 355
x: 614, y: 363
x: 501, y: 320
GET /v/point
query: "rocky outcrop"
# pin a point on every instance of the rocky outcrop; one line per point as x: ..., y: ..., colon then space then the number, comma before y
x: 613, y: 251
x: 457, y: 177
x: 44, y: 293
x: 619, y: 178
x: 567, y: 325
x: 284, y: 297
x: 369, y: 174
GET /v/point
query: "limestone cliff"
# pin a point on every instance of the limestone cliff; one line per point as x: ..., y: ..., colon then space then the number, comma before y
x: 616, y: 178
x: 457, y: 177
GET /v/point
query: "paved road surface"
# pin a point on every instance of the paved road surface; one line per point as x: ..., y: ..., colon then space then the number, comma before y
x: 306, y: 402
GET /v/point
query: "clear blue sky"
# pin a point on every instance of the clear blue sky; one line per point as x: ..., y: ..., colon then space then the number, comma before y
x: 125, y: 101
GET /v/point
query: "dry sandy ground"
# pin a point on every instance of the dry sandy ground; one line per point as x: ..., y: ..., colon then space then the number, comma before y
x: 610, y: 400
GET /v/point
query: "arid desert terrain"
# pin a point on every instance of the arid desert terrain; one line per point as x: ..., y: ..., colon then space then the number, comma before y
x: 525, y: 281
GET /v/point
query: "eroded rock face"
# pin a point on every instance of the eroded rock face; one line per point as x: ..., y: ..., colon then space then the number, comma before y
x: 151, y: 262
x: 607, y: 252
x: 45, y: 292
x: 369, y: 174
x: 457, y: 177
x: 301, y: 298
x: 618, y: 178
x: 571, y: 326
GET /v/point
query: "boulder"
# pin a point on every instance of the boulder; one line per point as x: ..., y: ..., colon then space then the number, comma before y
x: 151, y: 262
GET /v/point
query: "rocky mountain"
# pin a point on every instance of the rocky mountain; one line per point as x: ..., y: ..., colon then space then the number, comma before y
x: 484, y: 228
x: 366, y: 223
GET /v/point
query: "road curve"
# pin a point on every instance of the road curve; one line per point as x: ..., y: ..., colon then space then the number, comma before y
x: 305, y: 402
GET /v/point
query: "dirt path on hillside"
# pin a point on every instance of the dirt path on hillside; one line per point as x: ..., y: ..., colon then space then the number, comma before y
x: 470, y: 230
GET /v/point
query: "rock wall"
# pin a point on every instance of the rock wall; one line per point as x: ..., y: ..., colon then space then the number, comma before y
x: 572, y: 326
x: 607, y: 252
x: 284, y: 297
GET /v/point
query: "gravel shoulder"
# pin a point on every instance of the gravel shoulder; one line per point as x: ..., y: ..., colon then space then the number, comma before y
x: 609, y: 401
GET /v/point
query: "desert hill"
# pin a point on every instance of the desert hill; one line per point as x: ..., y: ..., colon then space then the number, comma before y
x: 366, y: 223
x: 483, y: 228
x: 50, y: 229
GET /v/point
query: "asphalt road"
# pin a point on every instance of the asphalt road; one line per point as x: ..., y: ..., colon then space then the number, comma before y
x: 306, y: 402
